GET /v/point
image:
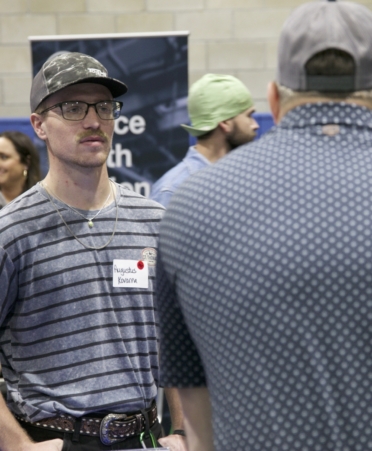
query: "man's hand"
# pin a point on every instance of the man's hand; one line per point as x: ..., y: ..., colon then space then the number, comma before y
x: 15, y: 438
x: 174, y: 442
x: 49, y: 445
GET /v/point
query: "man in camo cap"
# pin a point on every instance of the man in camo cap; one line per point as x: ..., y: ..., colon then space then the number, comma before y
x: 79, y: 346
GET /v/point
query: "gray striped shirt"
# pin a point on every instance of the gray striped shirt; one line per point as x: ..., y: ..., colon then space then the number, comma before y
x: 71, y: 342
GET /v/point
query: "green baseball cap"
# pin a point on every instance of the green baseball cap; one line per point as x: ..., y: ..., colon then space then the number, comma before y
x: 215, y: 98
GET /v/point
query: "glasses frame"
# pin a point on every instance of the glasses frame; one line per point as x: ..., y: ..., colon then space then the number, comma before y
x: 88, y: 105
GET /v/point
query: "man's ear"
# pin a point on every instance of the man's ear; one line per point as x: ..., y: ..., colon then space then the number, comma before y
x: 274, y: 100
x: 225, y: 126
x: 37, y: 124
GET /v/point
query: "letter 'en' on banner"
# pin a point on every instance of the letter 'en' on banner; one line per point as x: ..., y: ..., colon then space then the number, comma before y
x: 148, y: 139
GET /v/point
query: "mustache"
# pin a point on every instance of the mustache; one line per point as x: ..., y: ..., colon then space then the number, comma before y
x: 88, y: 133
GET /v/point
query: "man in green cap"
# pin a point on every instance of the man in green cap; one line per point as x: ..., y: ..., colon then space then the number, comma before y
x: 220, y: 109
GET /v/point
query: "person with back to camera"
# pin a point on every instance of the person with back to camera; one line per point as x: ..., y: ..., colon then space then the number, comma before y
x: 220, y: 109
x: 78, y: 325
x: 265, y: 269
x: 19, y: 165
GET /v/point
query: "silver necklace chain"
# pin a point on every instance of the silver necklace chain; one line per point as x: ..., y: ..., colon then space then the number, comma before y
x: 90, y: 220
x: 69, y: 229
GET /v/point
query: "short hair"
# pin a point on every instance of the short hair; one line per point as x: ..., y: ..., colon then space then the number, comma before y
x: 330, y: 62
x: 28, y: 155
x: 327, y: 62
x: 205, y: 136
x: 41, y: 107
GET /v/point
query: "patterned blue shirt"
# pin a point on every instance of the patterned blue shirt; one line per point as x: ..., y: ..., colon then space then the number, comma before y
x: 270, y: 254
x: 163, y: 190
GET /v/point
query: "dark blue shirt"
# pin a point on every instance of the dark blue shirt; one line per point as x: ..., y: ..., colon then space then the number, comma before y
x: 270, y: 254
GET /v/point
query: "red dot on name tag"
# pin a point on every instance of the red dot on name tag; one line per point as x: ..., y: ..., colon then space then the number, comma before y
x: 140, y: 264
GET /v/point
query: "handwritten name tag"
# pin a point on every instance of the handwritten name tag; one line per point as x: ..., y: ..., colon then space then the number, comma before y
x: 130, y: 273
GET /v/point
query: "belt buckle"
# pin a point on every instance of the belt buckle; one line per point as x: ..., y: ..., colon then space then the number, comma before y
x: 104, y: 428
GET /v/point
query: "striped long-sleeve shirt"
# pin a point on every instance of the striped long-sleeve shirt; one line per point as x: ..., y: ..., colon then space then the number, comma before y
x: 70, y: 341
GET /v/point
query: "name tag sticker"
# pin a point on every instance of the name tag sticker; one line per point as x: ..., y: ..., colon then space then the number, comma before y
x: 130, y: 274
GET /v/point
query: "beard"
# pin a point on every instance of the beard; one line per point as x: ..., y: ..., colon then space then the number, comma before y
x: 238, y: 137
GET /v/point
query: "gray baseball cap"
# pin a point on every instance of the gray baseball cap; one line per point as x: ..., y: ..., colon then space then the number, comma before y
x: 69, y: 68
x: 322, y: 25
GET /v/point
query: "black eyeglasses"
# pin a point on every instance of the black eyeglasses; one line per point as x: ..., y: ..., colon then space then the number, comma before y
x: 77, y: 110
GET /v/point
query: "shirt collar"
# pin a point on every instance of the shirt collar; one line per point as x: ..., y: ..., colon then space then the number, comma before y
x: 322, y: 113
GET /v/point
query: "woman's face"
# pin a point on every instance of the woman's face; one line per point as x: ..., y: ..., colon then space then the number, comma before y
x: 11, y: 168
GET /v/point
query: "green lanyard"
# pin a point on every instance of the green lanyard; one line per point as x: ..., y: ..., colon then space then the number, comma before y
x: 153, y: 440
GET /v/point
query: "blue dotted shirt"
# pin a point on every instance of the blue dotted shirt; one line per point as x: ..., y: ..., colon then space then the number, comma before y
x: 265, y: 286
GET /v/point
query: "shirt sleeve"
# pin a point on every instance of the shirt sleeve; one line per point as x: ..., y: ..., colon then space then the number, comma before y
x: 180, y: 363
x: 162, y: 196
x: 8, y: 284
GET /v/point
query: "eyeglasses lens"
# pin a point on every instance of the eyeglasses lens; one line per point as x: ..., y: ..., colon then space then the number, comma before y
x: 75, y: 111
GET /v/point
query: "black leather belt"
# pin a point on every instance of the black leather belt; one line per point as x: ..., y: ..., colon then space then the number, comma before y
x: 112, y: 428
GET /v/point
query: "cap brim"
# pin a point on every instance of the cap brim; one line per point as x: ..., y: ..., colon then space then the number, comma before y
x: 195, y: 131
x: 116, y: 87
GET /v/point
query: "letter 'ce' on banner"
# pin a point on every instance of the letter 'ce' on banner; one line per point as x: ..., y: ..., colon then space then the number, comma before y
x: 148, y: 139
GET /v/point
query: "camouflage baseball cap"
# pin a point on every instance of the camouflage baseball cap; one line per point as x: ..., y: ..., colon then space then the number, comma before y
x: 69, y: 68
